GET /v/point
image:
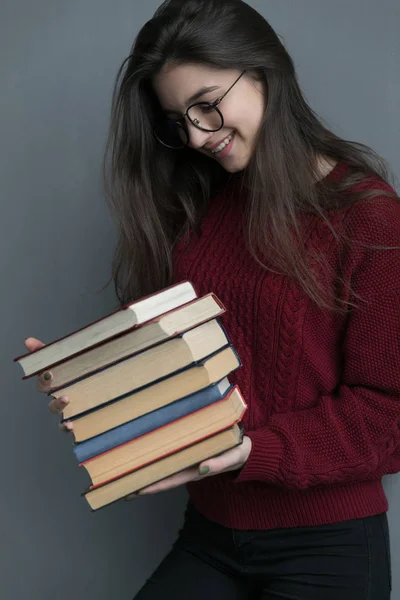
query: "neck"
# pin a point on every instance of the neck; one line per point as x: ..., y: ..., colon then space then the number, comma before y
x: 324, y: 166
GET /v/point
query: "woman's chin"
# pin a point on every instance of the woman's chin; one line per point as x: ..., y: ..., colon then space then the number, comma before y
x: 234, y: 166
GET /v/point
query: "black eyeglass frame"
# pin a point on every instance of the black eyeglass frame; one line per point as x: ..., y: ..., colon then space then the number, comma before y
x: 211, y: 105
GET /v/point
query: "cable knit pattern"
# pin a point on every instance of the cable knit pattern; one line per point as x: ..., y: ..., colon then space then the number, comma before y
x: 323, y: 389
x: 289, y: 349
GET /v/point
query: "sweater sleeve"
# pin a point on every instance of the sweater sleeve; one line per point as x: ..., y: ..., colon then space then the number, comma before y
x: 352, y: 434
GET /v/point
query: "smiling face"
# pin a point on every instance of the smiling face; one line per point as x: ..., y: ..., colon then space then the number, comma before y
x: 242, y: 108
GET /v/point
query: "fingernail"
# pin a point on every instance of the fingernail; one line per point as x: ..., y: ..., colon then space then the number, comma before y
x: 63, y: 399
x: 47, y: 376
x: 131, y: 497
x: 204, y: 470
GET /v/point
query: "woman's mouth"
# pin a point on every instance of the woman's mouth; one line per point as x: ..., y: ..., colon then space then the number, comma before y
x: 224, y: 147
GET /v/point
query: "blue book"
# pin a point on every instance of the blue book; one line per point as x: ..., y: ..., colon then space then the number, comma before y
x: 150, y: 421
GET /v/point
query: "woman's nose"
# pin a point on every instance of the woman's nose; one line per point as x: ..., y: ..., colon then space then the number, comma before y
x: 197, y: 137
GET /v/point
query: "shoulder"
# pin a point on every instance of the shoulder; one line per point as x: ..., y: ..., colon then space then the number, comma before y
x: 375, y: 219
x: 371, y: 250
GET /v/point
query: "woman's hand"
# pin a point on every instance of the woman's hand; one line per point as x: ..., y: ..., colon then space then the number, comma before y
x: 43, y: 384
x: 231, y: 460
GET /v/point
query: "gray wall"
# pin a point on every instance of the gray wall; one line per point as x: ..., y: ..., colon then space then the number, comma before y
x: 58, y: 62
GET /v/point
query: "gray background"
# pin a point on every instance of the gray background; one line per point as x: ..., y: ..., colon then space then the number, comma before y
x: 57, y: 65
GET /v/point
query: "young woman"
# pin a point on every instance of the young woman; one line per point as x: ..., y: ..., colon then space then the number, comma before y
x: 219, y: 172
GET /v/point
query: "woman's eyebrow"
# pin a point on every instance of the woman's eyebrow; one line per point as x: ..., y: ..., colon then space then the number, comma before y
x: 200, y: 93
x: 194, y: 97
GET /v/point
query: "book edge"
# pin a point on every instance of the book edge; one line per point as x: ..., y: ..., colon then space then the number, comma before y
x: 131, y: 356
x: 130, y: 330
x: 110, y: 314
x: 225, y: 398
x: 200, y: 363
x: 122, y: 475
x: 77, y: 446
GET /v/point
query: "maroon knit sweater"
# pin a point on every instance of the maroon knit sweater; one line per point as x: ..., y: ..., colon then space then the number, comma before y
x: 323, y: 389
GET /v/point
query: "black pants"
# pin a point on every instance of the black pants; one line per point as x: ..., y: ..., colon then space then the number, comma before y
x: 345, y: 561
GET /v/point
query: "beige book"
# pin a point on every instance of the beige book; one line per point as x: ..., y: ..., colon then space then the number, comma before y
x: 140, y: 338
x: 168, y: 439
x: 183, y: 459
x: 155, y: 396
x: 143, y: 369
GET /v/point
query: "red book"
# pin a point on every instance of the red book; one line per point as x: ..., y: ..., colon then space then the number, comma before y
x: 109, y: 492
x: 166, y: 450
x: 167, y: 439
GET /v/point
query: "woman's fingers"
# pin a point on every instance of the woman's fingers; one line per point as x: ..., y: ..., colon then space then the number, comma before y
x: 67, y: 426
x: 176, y: 480
x: 44, y: 382
x: 32, y: 344
x: 57, y: 405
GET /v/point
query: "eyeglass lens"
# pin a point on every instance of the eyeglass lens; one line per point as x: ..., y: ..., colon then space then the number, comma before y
x: 205, y: 117
x: 202, y: 116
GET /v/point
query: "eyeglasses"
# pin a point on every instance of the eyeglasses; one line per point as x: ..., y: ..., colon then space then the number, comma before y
x: 206, y: 116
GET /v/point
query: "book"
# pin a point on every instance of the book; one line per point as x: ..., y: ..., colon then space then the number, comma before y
x: 130, y: 315
x: 150, y: 421
x: 146, y: 367
x: 168, y: 439
x: 106, y: 493
x: 96, y: 420
x: 148, y: 390
x: 139, y: 338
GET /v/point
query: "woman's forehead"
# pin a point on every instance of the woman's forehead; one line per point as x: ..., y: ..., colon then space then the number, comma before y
x: 176, y: 84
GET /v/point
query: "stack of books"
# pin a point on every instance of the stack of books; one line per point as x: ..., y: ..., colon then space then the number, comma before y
x: 148, y: 390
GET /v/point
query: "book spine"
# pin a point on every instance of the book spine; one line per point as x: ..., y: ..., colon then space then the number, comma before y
x: 147, y: 423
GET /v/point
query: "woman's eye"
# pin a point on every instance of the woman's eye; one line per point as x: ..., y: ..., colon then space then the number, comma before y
x: 206, y: 108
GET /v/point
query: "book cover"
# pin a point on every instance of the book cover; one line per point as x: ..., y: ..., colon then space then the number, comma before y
x: 150, y: 421
x: 159, y: 348
x: 176, y: 379
x: 166, y: 440
x: 182, y: 459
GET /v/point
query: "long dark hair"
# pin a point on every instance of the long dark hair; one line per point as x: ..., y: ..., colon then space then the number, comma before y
x: 156, y: 194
